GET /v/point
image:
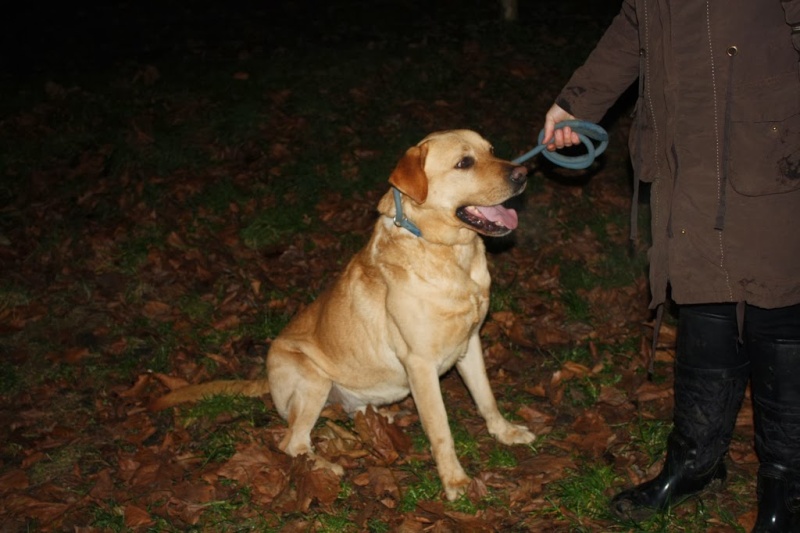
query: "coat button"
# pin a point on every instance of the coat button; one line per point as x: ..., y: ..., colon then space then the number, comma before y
x: 642, y: 52
x: 732, y: 51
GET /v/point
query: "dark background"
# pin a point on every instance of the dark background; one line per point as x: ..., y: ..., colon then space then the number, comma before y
x: 77, y: 37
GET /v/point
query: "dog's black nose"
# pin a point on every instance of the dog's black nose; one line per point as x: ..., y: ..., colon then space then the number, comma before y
x: 518, y: 174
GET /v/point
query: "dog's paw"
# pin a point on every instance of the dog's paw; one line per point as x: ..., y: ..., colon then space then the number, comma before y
x: 454, y: 480
x: 514, y: 434
x: 455, y: 488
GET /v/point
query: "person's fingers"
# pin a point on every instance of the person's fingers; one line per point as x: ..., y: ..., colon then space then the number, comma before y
x: 555, y: 139
x: 549, y: 127
x: 566, y: 133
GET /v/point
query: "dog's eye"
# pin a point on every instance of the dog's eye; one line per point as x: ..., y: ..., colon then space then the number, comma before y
x: 467, y: 162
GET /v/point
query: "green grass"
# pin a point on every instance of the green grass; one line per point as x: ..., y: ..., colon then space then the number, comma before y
x: 650, y: 437
x: 132, y: 253
x: 503, y: 299
x: 110, y: 517
x: 426, y: 486
x: 583, y: 492
x: 467, y: 448
x: 248, y: 409
x: 9, y: 377
x: 501, y: 456
x: 13, y: 295
x: 274, y: 226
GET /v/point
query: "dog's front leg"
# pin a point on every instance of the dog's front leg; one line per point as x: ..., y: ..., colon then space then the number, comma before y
x: 473, y: 371
x: 427, y: 394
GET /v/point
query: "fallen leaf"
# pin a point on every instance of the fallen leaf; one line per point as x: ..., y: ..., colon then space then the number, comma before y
x: 156, y: 310
x: 382, y: 437
x: 136, y: 517
x: 14, y: 479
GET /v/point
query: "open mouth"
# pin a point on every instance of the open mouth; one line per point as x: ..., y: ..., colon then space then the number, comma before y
x: 494, y: 221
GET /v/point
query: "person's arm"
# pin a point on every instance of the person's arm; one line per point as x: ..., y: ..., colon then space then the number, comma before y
x: 608, y: 71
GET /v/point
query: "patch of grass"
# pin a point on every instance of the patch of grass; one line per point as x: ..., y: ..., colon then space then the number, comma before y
x: 340, y: 521
x: 219, y: 195
x: 9, y: 377
x: 501, y: 457
x: 578, y: 308
x: 150, y: 346
x: 13, y: 295
x: 212, y: 407
x: 577, y: 354
x: 466, y: 445
x: 503, y: 299
x: 419, y: 441
x: 132, y: 253
x: 58, y: 462
x: 376, y: 526
x: 219, y: 445
x: 619, y: 269
x: 267, y: 324
x: 583, y: 492
x: 224, y: 515
x: 197, y: 307
x: 581, y: 392
x: 274, y: 226
x: 110, y: 517
x: 212, y: 339
x: 463, y: 505
x: 427, y: 486
x: 218, y: 441
x: 650, y: 436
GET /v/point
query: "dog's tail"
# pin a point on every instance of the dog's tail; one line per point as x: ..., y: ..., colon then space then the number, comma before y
x: 193, y: 393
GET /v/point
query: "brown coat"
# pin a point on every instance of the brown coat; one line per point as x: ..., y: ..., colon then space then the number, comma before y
x: 717, y: 133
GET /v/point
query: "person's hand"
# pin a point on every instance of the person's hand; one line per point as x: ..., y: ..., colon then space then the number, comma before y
x: 556, y: 139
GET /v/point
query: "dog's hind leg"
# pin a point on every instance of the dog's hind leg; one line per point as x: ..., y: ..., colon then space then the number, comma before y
x: 299, y: 391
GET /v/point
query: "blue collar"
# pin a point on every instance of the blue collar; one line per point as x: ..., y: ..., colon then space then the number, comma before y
x: 400, y: 219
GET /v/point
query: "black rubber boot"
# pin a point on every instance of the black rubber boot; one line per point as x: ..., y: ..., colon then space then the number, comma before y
x: 778, y: 512
x: 678, y: 480
x: 776, y: 410
x: 711, y: 374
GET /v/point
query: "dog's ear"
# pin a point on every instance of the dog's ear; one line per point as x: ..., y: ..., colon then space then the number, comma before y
x: 409, y: 174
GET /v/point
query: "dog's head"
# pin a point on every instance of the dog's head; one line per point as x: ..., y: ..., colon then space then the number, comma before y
x: 456, y: 183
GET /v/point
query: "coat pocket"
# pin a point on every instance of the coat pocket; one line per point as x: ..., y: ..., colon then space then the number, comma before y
x: 764, y: 149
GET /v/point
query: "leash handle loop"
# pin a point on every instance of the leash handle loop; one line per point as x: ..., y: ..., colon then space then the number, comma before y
x: 588, y: 133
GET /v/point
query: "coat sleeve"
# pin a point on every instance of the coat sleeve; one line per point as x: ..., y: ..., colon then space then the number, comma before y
x: 792, y: 10
x: 609, y: 70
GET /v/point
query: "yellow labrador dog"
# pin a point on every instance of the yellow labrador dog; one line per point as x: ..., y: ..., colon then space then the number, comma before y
x: 406, y: 309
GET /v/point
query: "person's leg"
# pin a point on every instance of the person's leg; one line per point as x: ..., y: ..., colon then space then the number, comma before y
x: 772, y: 337
x: 711, y: 373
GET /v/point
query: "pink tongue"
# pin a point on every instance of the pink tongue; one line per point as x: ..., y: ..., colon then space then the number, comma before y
x: 500, y: 215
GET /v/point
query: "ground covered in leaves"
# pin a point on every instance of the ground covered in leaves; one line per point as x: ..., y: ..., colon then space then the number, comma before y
x: 159, y: 225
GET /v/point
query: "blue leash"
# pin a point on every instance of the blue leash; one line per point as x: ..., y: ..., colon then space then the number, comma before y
x: 587, y: 132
